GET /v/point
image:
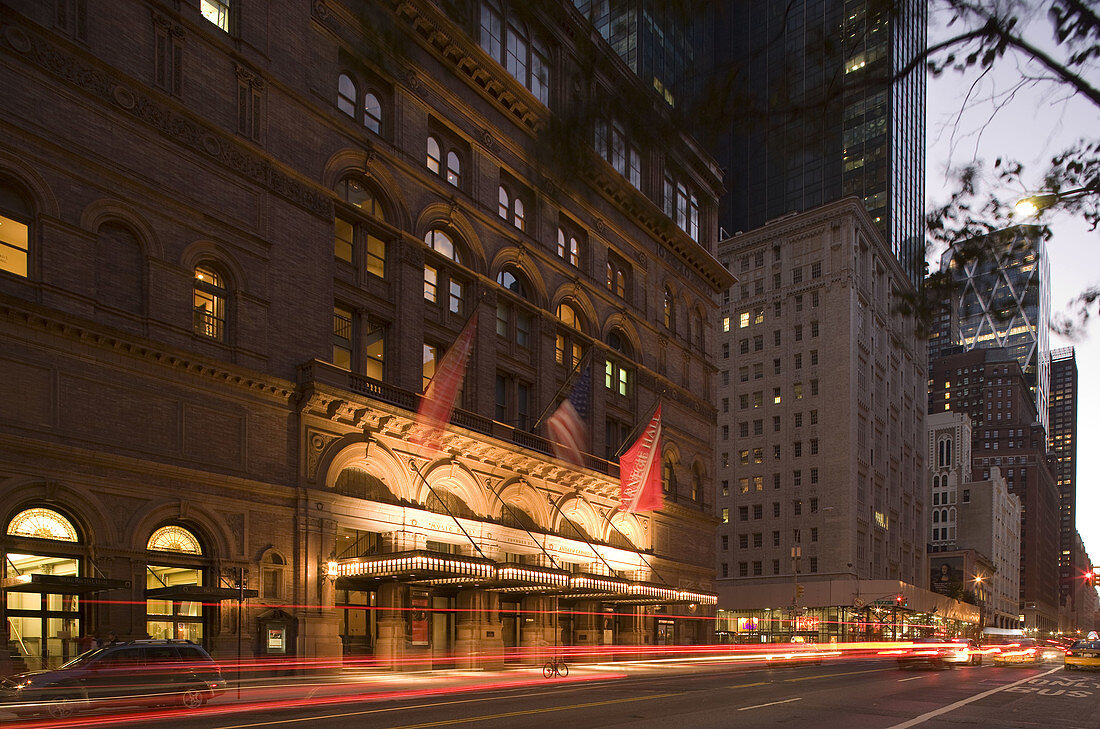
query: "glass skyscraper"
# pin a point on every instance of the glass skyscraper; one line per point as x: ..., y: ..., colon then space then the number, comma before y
x: 1004, y: 301
x: 817, y: 114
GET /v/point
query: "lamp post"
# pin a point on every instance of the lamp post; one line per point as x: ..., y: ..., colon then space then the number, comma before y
x: 979, y: 595
x: 1034, y: 204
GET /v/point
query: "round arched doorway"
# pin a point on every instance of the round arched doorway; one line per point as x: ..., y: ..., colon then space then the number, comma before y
x: 176, y: 566
x: 42, y: 552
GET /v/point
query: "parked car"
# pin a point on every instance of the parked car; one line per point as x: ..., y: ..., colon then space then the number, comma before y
x: 138, y: 672
x: 940, y: 653
x: 1082, y: 654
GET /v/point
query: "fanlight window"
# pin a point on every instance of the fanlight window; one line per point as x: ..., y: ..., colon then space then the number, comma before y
x: 42, y: 524
x: 174, y: 539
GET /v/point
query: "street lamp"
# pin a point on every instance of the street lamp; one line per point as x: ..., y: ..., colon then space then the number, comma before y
x: 979, y: 595
x: 1034, y: 204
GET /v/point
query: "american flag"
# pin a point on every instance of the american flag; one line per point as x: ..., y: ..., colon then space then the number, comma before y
x: 568, y: 425
x: 439, y: 397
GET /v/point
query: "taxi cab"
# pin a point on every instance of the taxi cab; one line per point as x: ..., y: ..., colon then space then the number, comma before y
x: 1083, y: 654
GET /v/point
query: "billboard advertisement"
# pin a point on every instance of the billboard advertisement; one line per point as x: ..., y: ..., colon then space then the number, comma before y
x: 947, y: 576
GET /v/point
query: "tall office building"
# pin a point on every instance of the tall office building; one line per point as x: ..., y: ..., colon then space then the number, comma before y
x: 821, y: 425
x: 819, y: 119
x: 1063, y: 441
x: 1003, y: 301
x: 989, y: 385
x: 234, y: 246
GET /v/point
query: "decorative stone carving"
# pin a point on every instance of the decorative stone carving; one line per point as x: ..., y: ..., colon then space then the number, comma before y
x: 318, y: 442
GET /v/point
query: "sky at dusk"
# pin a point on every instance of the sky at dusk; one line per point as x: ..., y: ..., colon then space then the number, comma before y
x: 985, y: 120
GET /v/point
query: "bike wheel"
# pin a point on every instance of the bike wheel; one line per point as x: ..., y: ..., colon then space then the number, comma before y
x: 548, y: 670
x: 563, y: 669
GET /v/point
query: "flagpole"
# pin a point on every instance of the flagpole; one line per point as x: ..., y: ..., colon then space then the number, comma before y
x: 582, y: 535
x: 568, y: 380
x: 448, y: 510
x: 633, y: 434
x: 476, y: 310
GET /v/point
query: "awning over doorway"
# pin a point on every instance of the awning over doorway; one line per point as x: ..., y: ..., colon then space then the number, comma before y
x: 421, y: 566
x: 198, y: 593
x: 62, y: 584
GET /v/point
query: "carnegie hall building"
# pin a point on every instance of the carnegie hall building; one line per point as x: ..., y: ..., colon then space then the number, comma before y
x: 237, y: 237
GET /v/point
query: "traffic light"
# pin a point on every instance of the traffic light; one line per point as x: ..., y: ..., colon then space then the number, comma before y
x: 899, y: 600
x: 799, y: 590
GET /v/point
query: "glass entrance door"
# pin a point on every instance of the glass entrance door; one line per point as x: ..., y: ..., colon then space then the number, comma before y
x: 180, y: 619
x: 44, y: 629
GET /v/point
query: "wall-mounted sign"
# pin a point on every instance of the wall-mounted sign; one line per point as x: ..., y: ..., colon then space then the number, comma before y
x: 276, y: 638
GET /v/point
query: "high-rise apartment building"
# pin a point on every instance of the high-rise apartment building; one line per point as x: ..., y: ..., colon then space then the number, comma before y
x: 821, y: 420
x: 1003, y: 301
x: 989, y: 385
x: 821, y: 118
x: 1063, y: 441
x: 973, y: 526
x: 234, y: 246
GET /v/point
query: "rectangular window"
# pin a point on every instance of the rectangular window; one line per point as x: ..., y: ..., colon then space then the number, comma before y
x: 813, y: 534
x: 757, y: 569
x: 798, y: 477
x: 813, y: 446
x: 743, y: 484
x: 798, y: 391
x: 725, y: 488
x: 454, y: 302
x: 743, y: 569
x: 775, y: 508
x: 813, y: 505
x: 376, y: 256
x: 798, y: 420
x: 216, y: 11
x: 777, y: 366
x: 776, y: 397
x: 725, y: 542
x: 815, y: 328
x: 797, y: 505
x: 798, y: 303
x: 725, y: 569
x: 798, y: 332
x: 13, y: 247
x: 376, y: 354
x: 742, y: 541
x: 342, y: 337
x: 431, y: 360
x: 757, y: 511
x: 725, y: 516
x: 775, y: 538
x: 813, y: 357
x: 345, y: 240
x: 775, y: 566
x: 775, y: 481
x: 758, y: 427
x: 813, y: 564
x: 744, y: 456
x: 813, y: 475
x: 743, y: 513
x: 813, y: 387
x: 757, y: 540
x: 777, y: 423
x: 777, y: 337
x: 813, y: 417
x: 758, y: 343
x: 431, y: 284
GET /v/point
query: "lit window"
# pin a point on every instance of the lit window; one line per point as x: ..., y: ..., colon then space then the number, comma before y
x: 454, y: 169
x: 510, y: 44
x: 435, y: 155
x: 342, y: 337
x: 173, y: 538
x: 376, y: 354
x: 216, y: 11
x: 210, y: 303
x: 14, y: 233
x: 431, y: 284
x: 40, y: 523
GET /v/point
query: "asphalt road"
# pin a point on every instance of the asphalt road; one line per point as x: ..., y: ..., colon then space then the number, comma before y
x: 842, y: 694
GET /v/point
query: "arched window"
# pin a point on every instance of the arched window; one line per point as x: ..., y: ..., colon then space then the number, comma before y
x: 172, y: 538
x: 518, y: 518
x: 935, y: 516
x: 346, y: 95
x: 372, y: 113
x: 435, y: 155
x: 568, y: 349
x: 211, y: 297
x: 119, y: 268
x: 697, y: 476
x: 272, y: 574
x: 700, y: 332
x: 519, y: 215
x: 668, y: 473
x: 511, y: 45
x: 504, y: 203
x: 42, y: 523
x: 441, y: 242
x: 44, y: 627
x: 669, y: 312
x: 436, y: 280
x: 15, y: 219
x: 355, y: 231
x: 569, y: 249
x: 513, y: 320
x: 442, y: 501
x: 176, y: 568
x: 454, y: 169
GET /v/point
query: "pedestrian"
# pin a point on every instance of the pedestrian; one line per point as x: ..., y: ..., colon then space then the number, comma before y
x: 87, y: 643
x: 112, y: 638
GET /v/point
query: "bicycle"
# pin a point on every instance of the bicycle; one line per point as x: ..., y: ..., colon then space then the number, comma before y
x: 555, y: 667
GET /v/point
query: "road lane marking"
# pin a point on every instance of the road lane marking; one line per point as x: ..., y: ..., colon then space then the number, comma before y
x: 301, y: 719
x: 830, y: 675
x: 963, y: 702
x: 746, y: 685
x: 914, y: 678
x: 774, y: 703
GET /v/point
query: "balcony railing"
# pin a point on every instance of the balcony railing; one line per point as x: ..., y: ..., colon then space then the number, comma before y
x: 377, y: 390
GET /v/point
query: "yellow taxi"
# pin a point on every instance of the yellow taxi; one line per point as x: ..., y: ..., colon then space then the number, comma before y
x: 1083, y: 654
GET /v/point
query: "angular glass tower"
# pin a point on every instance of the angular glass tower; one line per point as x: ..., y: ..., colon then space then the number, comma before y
x: 1004, y: 301
x: 830, y: 115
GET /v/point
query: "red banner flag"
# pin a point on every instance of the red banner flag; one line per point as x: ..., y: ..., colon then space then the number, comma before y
x: 640, y: 470
x: 439, y: 398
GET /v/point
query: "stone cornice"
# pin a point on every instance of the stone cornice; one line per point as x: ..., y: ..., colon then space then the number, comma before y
x: 55, y: 324
x: 129, y: 97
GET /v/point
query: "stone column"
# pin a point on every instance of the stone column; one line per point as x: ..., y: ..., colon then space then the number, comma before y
x: 479, y: 642
x: 537, y: 640
x: 390, y: 644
